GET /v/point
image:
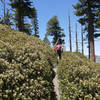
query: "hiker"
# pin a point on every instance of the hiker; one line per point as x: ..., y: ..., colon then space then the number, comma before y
x: 58, y: 47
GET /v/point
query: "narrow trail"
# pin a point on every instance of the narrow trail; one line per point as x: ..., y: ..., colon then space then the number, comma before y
x: 56, y: 84
x: 56, y: 81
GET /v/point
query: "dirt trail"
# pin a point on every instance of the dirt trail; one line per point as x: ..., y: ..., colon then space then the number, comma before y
x: 56, y: 84
x: 56, y: 81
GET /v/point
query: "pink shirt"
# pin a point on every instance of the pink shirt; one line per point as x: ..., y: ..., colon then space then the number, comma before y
x: 58, y: 47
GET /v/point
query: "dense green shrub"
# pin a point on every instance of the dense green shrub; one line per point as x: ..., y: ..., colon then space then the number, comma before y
x: 25, y: 66
x: 79, y: 80
x: 81, y: 56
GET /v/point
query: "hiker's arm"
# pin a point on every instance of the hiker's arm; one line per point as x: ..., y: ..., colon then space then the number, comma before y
x: 56, y: 43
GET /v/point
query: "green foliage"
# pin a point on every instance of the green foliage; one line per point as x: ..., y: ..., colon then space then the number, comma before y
x: 54, y: 29
x: 27, y: 28
x: 26, y: 65
x: 81, y: 56
x: 98, y: 20
x: 8, y: 18
x: 23, y: 9
x: 46, y: 40
x: 79, y: 79
x: 81, y: 10
x: 1, y: 20
x: 35, y: 22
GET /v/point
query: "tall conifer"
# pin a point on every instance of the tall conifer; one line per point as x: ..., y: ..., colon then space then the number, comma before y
x: 54, y: 29
x: 86, y: 10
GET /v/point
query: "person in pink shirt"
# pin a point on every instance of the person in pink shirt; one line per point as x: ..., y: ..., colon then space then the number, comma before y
x: 58, y: 47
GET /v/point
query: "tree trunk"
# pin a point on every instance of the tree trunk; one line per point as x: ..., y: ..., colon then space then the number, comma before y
x: 82, y: 40
x: 70, y: 40
x: 76, y: 40
x: 91, y: 32
x: 89, y: 47
x: 20, y: 26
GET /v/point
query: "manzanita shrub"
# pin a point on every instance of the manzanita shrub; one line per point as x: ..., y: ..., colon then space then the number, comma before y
x: 25, y: 66
x: 78, y: 79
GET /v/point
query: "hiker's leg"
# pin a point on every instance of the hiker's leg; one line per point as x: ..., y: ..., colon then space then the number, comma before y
x: 59, y: 54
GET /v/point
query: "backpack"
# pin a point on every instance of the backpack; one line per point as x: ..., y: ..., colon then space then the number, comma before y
x: 58, y: 47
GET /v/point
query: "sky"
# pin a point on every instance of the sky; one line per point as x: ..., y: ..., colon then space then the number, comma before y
x: 46, y: 9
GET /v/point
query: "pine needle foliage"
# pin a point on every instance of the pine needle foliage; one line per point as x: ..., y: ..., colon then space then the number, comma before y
x: 54, y: 30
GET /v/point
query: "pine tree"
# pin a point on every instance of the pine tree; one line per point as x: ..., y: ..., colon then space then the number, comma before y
x: 23, y: 9
x: 97, y: 34
x: 35, y: 22
x: 15, y: 18
x: 54, y: 29
x: 18, y: 5
x: 27, y: 28
x: 86, y: 10
x: 46, y: 40
x: 8, y: 17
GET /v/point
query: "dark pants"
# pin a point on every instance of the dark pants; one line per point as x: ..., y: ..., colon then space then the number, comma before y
x: 59, y: 53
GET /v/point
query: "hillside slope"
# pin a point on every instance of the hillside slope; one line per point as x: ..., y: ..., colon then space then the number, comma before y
x: 26, y: 65
x: 79, y: 79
